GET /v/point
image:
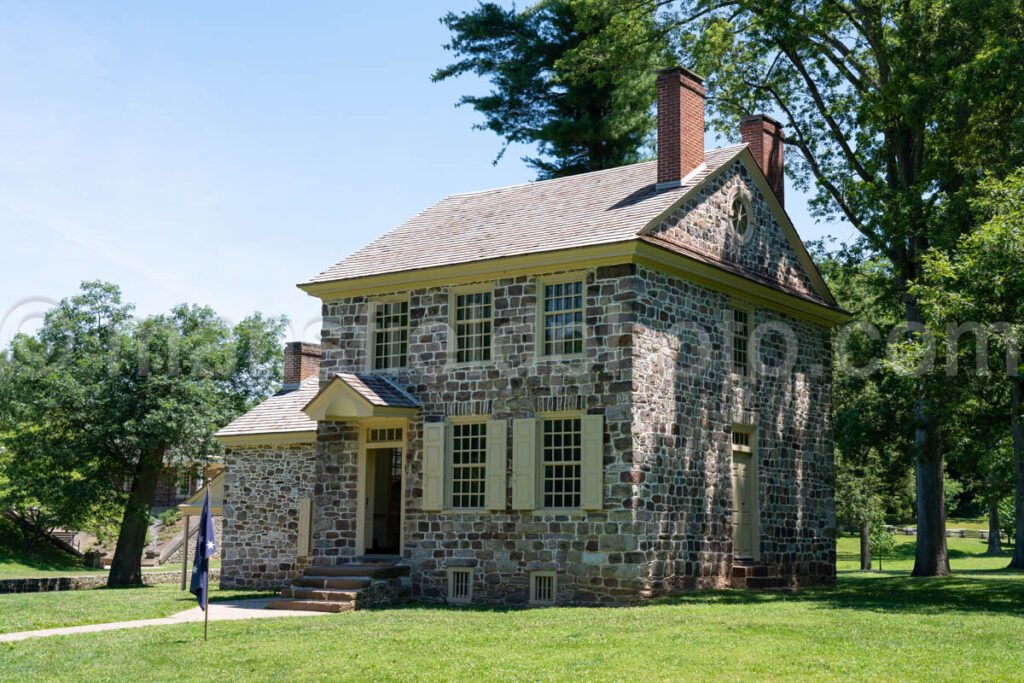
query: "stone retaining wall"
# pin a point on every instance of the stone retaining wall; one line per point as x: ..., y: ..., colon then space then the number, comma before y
x: 89, y: 581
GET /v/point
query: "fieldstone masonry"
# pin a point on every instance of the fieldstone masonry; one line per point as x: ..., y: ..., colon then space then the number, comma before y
x: 262, y: 489
x: 655, y: 365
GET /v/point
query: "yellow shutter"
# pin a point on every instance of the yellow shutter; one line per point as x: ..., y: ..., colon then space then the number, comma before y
x: 497, y: 459
x: 593, y: 462
x: 433, y: 465
x: 524, y: 464
x: 305, y: 523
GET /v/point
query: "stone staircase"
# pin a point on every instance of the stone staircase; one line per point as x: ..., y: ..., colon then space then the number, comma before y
x: 364, y: 583
x: 752, y: 576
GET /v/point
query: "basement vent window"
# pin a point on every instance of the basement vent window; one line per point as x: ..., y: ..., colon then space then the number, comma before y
x: 542, y: 588
x: 460, y: 586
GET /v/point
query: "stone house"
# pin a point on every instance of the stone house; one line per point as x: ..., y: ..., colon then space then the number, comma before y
x: 593, y: 389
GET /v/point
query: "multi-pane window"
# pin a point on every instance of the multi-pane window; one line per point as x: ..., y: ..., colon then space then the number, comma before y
x: 740, y: 216
x: 469, y: 464
x: 385, y: 435
x: 472, y: 327
x: 740, y: 341
x: 741, y: 439
x: 563, y: 318
x: 390, y: 335
x: 562, y: 461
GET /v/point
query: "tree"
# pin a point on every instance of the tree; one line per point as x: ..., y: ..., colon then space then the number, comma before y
x: 110, y: 397
x: 582, y: 121
x: 857, y: 504
x: 896, y: 109
x: 980, y: 280
x: 883, y: 541
x: 872, y: 419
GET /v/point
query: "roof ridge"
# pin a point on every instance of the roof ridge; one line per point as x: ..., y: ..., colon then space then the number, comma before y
x: 534, y: 183
x: 576, y: 176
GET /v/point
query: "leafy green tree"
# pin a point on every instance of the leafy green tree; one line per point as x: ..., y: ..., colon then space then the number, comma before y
x: 896, y: 109
x: 980, y: 280
x: 106, y: 398
x: 872, y: 414
x: 580, y: 121
x: 858, y: 503
x: 883, y: 541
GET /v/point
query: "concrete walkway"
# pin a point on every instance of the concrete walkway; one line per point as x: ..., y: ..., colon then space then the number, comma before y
x: 219, y: 611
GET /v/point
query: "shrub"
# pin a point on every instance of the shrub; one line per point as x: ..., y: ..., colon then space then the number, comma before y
x: 1007, y: 516
x: 169, y: 517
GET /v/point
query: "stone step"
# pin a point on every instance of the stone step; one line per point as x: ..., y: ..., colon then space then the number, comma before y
x: 311, y: 605
x: 336, y: 582
x: 319, y: 594
x: 740, y: 571
x: 358, y: 569
x: 766, y: 582
x: 379, y: 560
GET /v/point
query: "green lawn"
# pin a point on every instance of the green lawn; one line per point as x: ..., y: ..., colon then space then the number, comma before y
x: 47, y: 561
x: 15, y: 563
x: 874, y: 626
x: 30, y: 611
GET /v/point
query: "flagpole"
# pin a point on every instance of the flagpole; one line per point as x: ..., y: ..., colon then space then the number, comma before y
x: 206, y: 593
x: 206, y: 618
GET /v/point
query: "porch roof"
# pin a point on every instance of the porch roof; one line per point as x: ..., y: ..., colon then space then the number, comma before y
x: 350, y: 396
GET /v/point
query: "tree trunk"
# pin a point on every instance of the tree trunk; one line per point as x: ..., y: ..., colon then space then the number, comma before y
x: 1018, y: 469
x: 865, y: 547
x: 995, y: 543
x: 931, y: 557
x: 126, y: 568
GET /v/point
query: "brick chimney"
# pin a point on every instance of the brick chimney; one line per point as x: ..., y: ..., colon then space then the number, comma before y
x: 301, y: 361
x: 680, y: 125
x: 766, y: 138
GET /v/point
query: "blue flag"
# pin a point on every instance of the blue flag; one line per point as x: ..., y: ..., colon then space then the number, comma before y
x: 206, y: 546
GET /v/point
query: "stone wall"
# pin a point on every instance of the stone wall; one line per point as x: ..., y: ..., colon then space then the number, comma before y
x: 685, y: 405
x: 262, y: 489
x: 591, y: 552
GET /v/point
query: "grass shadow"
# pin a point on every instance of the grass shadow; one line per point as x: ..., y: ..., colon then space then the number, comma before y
x: 999, y: 593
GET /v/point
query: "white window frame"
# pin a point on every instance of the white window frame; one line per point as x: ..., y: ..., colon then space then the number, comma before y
x: 748, y: 346
x: 449, y: 463
x: 468, y: 597
x: 454, y: 322
x: 534, y: 599
x: 541, y: 292
x: 373, y: 330
x: 542, y: 466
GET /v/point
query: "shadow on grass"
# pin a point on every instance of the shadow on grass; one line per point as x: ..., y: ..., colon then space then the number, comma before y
x: 44, y: 558
x: 1000, y: 592
x: 994, y: 592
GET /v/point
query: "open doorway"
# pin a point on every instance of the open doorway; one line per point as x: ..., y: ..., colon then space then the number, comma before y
x: 383, y: 517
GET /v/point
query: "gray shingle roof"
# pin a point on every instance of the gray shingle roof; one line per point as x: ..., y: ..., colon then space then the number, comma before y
x: 582, y: 210
x: 279, y: 414
x: 379, y: 391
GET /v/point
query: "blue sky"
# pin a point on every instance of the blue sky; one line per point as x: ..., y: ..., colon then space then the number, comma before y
x: 219, y: 153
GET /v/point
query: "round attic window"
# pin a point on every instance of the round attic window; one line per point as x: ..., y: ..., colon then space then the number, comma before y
x: 740, y: 216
